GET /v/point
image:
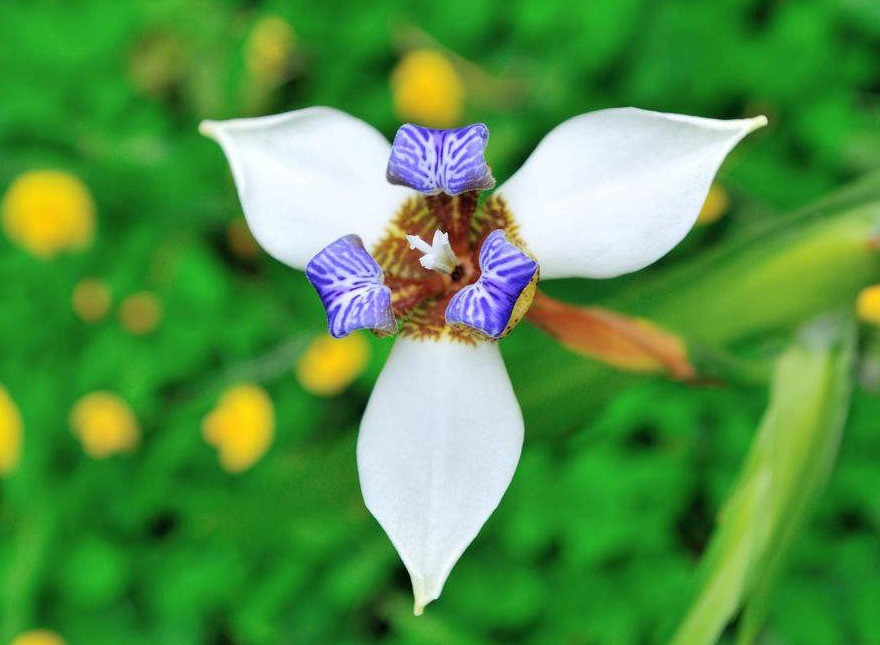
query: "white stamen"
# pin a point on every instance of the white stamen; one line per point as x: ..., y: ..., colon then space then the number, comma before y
x: 438, y: 255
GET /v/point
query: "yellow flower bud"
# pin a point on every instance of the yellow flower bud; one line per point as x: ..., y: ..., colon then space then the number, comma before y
x: 868, y: 305
x: 716, y: 205
x: 269, y: 49
x: 91, y: 300
x: 241, y: 426
x: 140, y: 313
x: 329, y: 365
x: 38, y: 637
x: 427, y: 89
x: 47, y: 212
x: 104, y: 424
x: 10, y: 433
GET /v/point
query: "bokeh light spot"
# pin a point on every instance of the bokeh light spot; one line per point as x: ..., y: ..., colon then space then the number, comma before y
x: 868, y: 305
x: 240, y: 240
x: 329, y: 365
x: 91, y: 300
x: 715, y: 207
x: 427, y: 89
x: 241, y: 426
x: 269, y: 49
x: 104, y: 424
x: 38, y: 637
x: 10, y: 433
x: 47, y: 212
x: 140, y: 313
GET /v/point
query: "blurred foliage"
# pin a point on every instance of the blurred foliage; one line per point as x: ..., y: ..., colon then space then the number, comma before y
x: 598, y: 539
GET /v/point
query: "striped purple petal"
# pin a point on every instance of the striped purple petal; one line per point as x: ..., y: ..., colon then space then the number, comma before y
x: 488, y: 304
x: 350, y: 284
x: 440, y: 161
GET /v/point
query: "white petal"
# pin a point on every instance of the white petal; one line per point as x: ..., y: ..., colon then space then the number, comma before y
x: 438, y: 445
x: 308, y: 177
x: 610, y: 192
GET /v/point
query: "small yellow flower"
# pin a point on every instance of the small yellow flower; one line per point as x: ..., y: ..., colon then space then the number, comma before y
x: 241, y: 426
x: 104, y: 424
x: 427, y: 89
x: 329, y: 365
x: 140, y: 313
x: 868, y: 305
x: 91, y: 300
x: 10, y: 434
x: 715, y: 206
x: 269, y: 49
x: 47, y: 211
x: 38, y: 637
x: 241, y: 241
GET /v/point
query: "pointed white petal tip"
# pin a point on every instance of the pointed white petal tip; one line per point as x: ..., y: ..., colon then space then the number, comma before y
x: 421, y: 596
x: 209, y: 129
x: 308, y: 177
x: 610, y: 192
x: 757, y: 122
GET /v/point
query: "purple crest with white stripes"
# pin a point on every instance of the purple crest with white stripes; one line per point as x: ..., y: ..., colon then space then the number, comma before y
x: 440, y: 161
x: 351, y: 286
x: 488, y: 304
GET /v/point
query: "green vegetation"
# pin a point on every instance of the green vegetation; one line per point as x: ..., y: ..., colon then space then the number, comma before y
x: 600, y: 537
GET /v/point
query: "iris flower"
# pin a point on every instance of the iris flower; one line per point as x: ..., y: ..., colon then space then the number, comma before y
x: 398, y: 239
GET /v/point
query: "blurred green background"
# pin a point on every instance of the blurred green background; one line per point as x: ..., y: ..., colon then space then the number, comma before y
x: 600, y: 536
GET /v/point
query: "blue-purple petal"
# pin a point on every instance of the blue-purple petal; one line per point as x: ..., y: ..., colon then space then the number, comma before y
x: 440, y: 161
x: 488, y: 304
x: 350, y: 284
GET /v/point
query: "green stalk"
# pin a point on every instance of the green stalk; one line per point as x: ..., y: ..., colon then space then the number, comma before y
x: 787, y: 466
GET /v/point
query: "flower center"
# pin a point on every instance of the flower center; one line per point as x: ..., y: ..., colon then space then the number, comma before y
x: 424, y: 278
x: 474, y: 281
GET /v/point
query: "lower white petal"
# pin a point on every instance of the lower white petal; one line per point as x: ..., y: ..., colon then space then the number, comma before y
x: 610, y: 192
x: 308, y: 177
x: 438, y: 446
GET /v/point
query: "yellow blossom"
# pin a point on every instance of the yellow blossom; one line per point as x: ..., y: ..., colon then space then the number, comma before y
x: 38, y: 637
x: 715, y: 206
x: 10, y: 433
x: 140, y: 313
x: 241, y: 426
x: 269, y: 49
x: 329, y: 365
x: 48, y: 211
x: 91, y: 300
x: 868, y: 305
x: 241, y: 241
x: 104, y: 424
x: 427, y: 89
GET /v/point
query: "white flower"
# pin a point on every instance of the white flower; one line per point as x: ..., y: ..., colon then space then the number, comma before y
x: 603, y: 194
